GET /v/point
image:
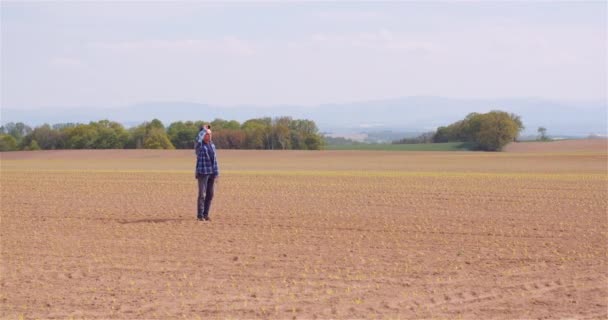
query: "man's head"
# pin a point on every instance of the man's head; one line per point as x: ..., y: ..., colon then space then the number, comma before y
x: 207, y: 135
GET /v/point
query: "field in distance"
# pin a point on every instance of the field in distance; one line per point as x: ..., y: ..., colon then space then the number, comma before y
x: 318, y: 234
x: 527, y: 146
x: 448, y: 146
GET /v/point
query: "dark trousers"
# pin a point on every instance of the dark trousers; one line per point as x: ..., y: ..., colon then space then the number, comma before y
x: 205, y: 194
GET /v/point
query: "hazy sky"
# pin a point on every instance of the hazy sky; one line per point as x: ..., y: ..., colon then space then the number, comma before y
x: 99, y: 54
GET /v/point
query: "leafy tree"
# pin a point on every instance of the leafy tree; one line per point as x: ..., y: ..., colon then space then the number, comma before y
x: 109, y: 135
x: 261, y: 133
x: 229, y: 139
x: 63, y: 126
x: 182, y: 134
x: 314, y: 142
x: 156, y: 138
x: 489, y: 131
x: 136, y: 137
x: 219, y: 124
x: 281, y: 134
x: 496, y: 129
x: 150, y: 135
x: 16, y: 130
x: 7, y: 143
x: 233, y: 125
x: 107, y: 139
x: 33, y: 146
x: 542, y: 131
x: 458, y: 131
x: 305, y: 135
x: 258, y: 133
x: 155, y: 123
x: 81, y: 136
x: 46, y: 138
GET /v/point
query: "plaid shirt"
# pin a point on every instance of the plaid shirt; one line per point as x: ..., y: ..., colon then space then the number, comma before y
x: 206, y: 160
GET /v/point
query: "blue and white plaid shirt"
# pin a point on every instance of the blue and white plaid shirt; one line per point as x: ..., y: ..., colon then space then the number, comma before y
x: 206, y: 160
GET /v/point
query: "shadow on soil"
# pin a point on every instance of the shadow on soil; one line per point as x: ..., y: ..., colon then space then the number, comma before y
x: 148, y: 221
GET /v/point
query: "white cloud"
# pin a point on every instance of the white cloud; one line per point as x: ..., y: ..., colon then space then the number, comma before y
x: 225, y: 45
x: 66, y: 63
x: 350, y: 16
x: 377, y: 40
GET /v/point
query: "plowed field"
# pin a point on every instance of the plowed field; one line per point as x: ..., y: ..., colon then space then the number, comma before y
x: 113, y: 234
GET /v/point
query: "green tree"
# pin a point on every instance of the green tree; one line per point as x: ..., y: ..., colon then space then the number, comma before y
x: 136, y: 137
x: 281, y: 134
x: 305, y: 135
x: 155, y: 123
x: 229, y: 139
x: 261, y: 133
x: 16, y: 130
x: 149, y: 135
x: 489, y: 131
x: 7, y: 143
x: 46, y: 138
x: 313, y: 142
x: 542, y: 131
x: 219, y: 124
x: 182, y: 134
x: 458, y: 131
x: 81, y: 136
x: 156, y: 138
x: 257, y: 133
x: 495, y: 129
x: 109, y: 135
x: 33, y: 146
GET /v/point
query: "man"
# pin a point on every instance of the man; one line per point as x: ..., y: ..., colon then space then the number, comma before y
x: 206, y: 173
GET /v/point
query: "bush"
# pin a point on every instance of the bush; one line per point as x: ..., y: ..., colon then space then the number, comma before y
x: 33, y: 146
x: 494, y: 130
x: 156, y: 138
x: 7, y: 143
x: 488, y: 131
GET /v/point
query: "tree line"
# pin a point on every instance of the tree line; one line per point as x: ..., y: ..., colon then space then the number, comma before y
x: 485, y: 131
x: 262, y: 133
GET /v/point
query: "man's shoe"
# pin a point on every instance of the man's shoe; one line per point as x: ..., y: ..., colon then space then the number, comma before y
x: 207, y: 218
x: 199, y: 218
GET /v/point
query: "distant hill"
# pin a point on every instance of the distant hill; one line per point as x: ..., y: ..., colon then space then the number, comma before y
x: 409, y: 114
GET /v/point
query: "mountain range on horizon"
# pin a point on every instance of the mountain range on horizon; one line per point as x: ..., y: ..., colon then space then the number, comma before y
x: 408, y: 114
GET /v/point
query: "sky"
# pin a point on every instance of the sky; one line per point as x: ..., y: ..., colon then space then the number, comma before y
x: 113, y: 54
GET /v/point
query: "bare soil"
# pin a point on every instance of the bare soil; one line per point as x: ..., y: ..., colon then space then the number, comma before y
x: 591, y: 145
x: 113, y: 235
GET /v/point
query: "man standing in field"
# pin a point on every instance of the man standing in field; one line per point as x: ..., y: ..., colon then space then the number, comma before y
x: 207, y: 172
